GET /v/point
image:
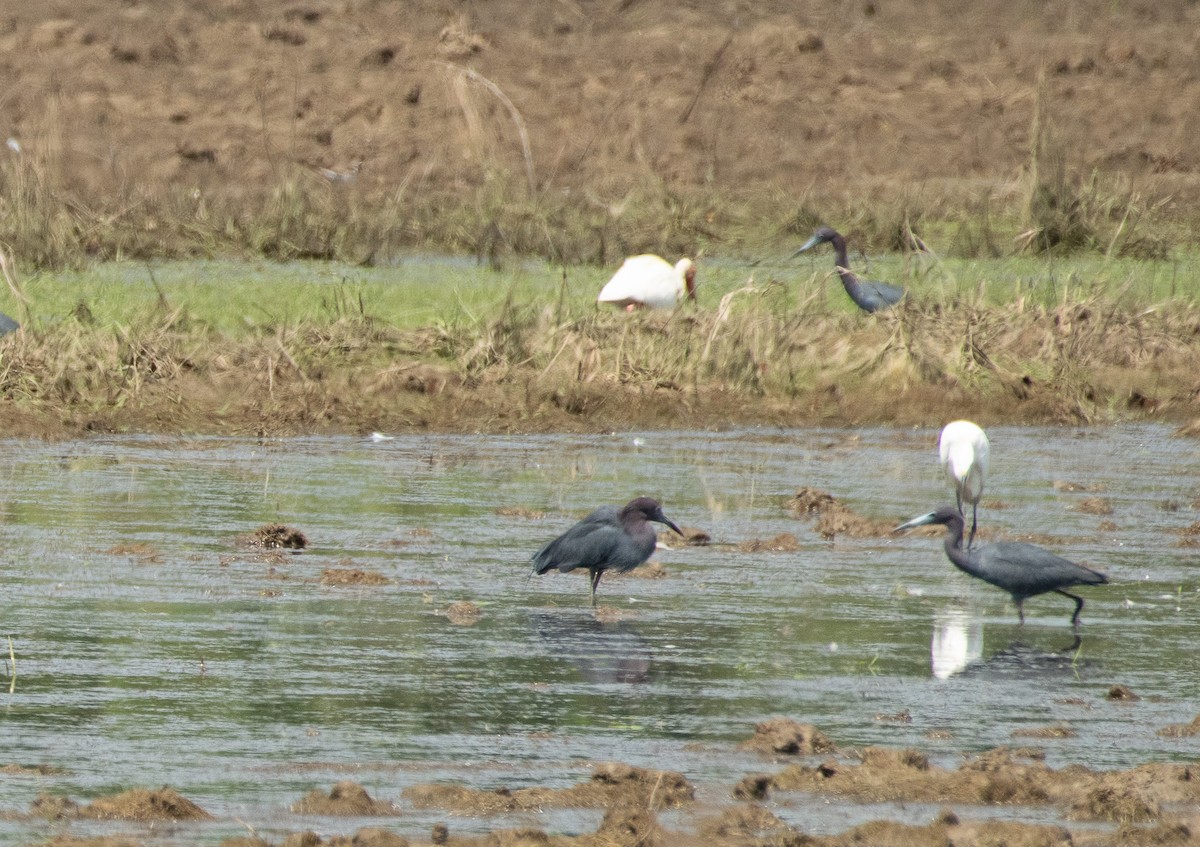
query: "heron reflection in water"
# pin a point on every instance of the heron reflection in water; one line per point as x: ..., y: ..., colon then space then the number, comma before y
x: 612, y: 652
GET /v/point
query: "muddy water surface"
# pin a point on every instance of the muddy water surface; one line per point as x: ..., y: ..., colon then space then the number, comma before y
x: 154, y: 647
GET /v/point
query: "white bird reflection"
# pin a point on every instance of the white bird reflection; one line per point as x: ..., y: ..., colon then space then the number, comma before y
x: 957, y: 642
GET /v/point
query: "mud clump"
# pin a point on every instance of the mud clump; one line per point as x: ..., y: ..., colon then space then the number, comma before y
x: 628, y: 823
x: 810, y: 501
x: 786, y: 736
x: 463, y: 613
x: 346, y: 798
x: 834, y: 517
x: 611, y: 785
x: 142, y: 553
x: 352, y: 577
x: 1181, y: 730
x: 143, y: 804
x: 520, y: 512
x: 695, y: 537
x: 53, y: 807
x: 750, y: 823
x: 1189, y: 536
x: 1094, y: 506
x: 33, y: 770
x: 998, y: 778
x: 274, y: 537
x: 366, y: 837
x: 1122, y: 693
x: 785, y: 542
x: 892, y: 834
x: 1121, y: 803
x: 842, y: 520
x: 1069, y: 487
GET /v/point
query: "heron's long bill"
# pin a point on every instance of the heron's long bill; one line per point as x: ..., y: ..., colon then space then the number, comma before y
x: 671, y: 524
x: 808, y: 245
x: 923, y: 520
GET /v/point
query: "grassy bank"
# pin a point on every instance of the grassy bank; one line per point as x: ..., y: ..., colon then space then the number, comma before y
x: 451, y: 345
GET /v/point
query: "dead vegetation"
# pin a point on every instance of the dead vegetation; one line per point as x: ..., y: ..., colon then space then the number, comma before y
x: 1137, y: 806
x: 274, y: 537
x: 530, y: 369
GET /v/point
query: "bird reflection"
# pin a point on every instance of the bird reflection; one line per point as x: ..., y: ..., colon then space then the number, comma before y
x: 957, y: 642
x: 1028, y: 660
x: 957, y: 649
x: 603, y: 652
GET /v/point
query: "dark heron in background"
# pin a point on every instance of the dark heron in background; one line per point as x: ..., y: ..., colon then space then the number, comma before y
x: 7, y: 324
x: 870, y: 296
x: 610, y: 538
x: 963, y: 450
x: 1023, y: 570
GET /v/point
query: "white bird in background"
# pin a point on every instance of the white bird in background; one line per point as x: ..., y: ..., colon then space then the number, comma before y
x: 650, y: 282
x: 963, y: 451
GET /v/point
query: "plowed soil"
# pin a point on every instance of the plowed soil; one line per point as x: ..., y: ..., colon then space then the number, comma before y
x: 828, y: 105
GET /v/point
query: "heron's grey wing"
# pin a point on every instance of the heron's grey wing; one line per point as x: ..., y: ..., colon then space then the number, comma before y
x: 1026, y: 569
x: 884, y: 294
x: 587, y: 544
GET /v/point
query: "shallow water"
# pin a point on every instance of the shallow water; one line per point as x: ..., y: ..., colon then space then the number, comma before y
x: 150, y: 650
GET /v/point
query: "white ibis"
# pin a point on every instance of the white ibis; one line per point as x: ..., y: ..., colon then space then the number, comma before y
x: 650, y: 282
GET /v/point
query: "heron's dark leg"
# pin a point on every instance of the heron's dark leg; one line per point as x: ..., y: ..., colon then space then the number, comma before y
x: 1020, y: 610
x: 974, y: 516
x: 1078, y: 605
x: 595, y: 582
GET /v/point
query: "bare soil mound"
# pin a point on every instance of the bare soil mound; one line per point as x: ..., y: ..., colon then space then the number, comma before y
x: 656, y: 124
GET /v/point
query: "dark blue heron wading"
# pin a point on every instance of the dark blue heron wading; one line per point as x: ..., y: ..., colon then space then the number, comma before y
x: 609, y: 539
x: 1023, y: 570
x: 869, y: 295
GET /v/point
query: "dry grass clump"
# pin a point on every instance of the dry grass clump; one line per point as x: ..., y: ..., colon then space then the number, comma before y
x: 757, y: 357
x: 784, y: 542
x: 789, y: 737
x: 275, y: 537
x: 143, y: 804
x: 346, y: 798
x: 351, y: 577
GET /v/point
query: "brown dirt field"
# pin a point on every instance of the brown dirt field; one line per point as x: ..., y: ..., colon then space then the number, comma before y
x: 1152, y: 804
x: 166, y: 116
x: 167, y: 128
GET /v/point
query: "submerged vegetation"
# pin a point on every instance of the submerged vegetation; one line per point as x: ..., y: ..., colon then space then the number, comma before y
x: 447, y: 344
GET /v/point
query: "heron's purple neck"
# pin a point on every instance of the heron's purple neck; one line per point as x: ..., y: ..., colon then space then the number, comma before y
x: 954, y: 549
x: 638, y: 528
x: 849, y: 280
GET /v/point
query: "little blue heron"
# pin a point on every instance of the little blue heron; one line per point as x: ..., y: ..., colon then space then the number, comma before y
x: 870, y: 296
x: 610, y: 538
x: 1023, y: 570
x: 963, y: 451
x: 7, y: 324
x: 650, y: 282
